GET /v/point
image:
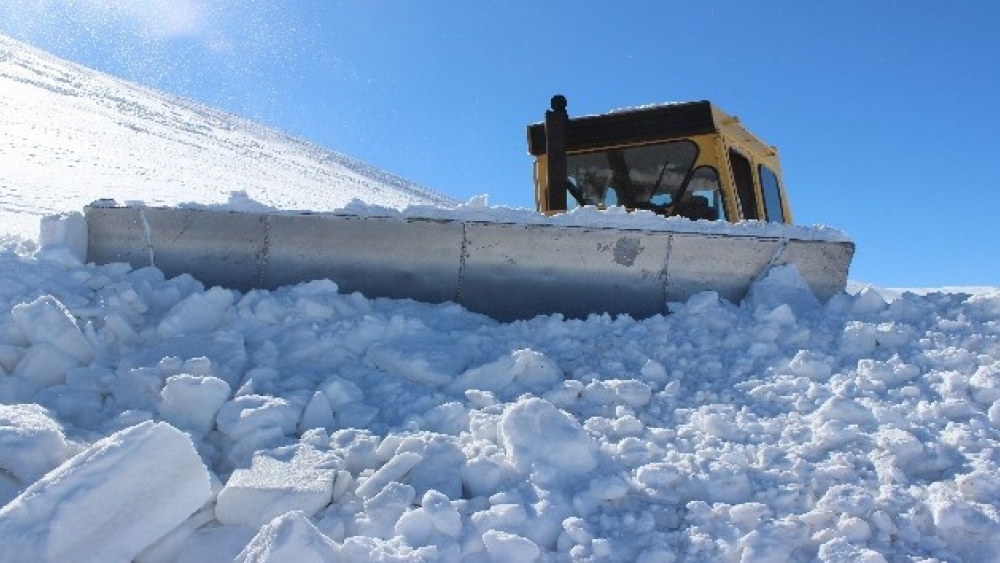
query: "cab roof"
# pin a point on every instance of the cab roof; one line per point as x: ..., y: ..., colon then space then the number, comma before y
x: 633, y: 126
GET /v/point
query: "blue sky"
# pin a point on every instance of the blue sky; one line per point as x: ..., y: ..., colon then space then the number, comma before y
x: 885, y: 113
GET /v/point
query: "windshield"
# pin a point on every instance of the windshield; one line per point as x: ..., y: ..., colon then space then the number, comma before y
x: 642, y: 177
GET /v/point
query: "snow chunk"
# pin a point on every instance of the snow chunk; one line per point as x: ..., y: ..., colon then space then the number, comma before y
x: 845, y: 410
x: 858, y: 339
x: 851, y: 500
x: 340, y: 392
x: 701, y: 303
x: 440, y: 466
x: 199, y: 313
x: 46, y: 320
x: 510, y: 547
x: 660, y: 476
x: 971, y: 533
x: 566, y: 446
x: 894, y: 372
x: 110, y: 501
x: 65, y: 232
x: 905, y: 447
x: 225, y: 352
x: 525, y: 368
x: 393, y: 471
x: 729, y: 484
x: 254, y: 422
x: 290, y: 537
x: 782, y: 285
x: 813, y: 365
x: 191, y: 402
x: 984, y: 385
x: 424, y: 360
x: 868, y: 301
x: 435, y: 518
x: 980, y: 486
x: 839, y: 550
x: 296, y: 478
x: 627, y: 392
x: 44, y: 365
x: 31, y: 442
x: 317, y: 414
x: 384, y: 510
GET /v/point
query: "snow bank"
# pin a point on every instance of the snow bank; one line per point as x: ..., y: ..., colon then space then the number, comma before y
x: 311, y: 425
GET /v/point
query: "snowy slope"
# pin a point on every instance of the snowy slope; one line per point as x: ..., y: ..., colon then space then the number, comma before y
x: 71, y: 135
x: 156, y: 420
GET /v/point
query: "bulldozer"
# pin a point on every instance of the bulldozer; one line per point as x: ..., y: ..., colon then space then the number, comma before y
x: 706, y: 211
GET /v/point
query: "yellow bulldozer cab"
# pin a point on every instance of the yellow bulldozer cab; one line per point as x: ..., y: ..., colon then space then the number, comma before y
x: 687, y: 159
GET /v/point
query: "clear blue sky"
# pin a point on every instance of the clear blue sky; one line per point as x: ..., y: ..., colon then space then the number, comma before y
x: 886, y: 113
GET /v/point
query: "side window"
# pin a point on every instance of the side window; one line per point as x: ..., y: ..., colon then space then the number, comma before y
x: 772, y: 195
x: 743, y: 175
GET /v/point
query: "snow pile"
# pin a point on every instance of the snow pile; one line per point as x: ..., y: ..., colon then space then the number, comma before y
x: 159, y: 421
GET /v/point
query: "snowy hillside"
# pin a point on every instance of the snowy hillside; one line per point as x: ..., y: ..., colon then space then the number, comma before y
x: 159, y: 421
x: 71, y: 135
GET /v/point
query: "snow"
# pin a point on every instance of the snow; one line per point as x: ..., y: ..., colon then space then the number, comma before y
x: 123, y: 141
x: 290, y: 537
x: 32, y: 443
x: 592, y: 217
x: 156, y: 420
x: 856, y: 429
x: 296, y: 478
x: 110, y: 501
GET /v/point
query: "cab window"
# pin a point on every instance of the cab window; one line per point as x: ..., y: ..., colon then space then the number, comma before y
x: 644, y: 177
x: 772, y: 194
x: 745, y: 192
x: 703, y: 198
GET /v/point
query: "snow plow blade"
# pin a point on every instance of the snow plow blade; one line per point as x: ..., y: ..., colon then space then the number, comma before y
x: 508, y: 271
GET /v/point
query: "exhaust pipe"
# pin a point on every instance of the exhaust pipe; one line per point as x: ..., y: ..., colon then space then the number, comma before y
x: 555, y: 151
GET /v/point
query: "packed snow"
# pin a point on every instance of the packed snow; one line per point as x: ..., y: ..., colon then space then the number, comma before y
x: 160, y: 421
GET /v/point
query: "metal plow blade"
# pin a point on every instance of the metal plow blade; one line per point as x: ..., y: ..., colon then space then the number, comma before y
x: 507, y: 271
